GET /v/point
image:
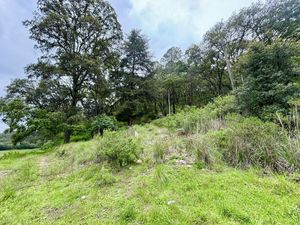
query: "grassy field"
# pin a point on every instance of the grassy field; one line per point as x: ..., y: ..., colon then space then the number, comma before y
x: 18, y: 151
x: 68, y: 185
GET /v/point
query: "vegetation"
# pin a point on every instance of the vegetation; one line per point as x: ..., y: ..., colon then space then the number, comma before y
x: 209, y: 135
x: 88, y: 68
x: 73, y: 184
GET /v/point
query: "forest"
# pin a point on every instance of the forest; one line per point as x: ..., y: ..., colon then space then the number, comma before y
x: 89, y: 70
x: 205, y: 135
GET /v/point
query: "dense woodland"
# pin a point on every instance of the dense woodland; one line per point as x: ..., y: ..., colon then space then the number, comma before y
x: 91, y: 76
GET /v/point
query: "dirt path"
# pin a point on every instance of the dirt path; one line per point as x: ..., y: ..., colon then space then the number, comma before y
x: 44, y: 164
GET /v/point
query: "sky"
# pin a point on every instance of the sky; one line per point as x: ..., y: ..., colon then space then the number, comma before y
x: 166, y: 23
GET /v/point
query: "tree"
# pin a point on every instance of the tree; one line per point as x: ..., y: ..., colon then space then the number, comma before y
x: 270, y: 74
x: 102, y: 123
x: 172, y: 60
x: 132, y: 80
x: 24, y: 121
x: 78, y: 41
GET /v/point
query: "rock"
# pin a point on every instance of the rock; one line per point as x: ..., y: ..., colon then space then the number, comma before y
x: 136, y: 134
x: 171, y: 202
x: 181, y: 162
x: 139, y: 161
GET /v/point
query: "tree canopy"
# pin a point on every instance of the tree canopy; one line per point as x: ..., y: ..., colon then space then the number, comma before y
x: 88, y: 71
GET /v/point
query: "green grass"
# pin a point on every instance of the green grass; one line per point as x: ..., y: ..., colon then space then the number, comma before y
x: 20, y: 151
x: 67, y: 186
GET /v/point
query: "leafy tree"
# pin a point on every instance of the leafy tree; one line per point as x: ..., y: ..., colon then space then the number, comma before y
x: 102, y: 123
x: 25, y: 121
x: 168, y: 88
x: 270, y: 75
x: 170, y: 75
x: 78, y: 41
x: 172, y: 60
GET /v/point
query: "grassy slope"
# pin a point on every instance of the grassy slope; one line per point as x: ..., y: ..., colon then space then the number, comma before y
x: 65, y: 186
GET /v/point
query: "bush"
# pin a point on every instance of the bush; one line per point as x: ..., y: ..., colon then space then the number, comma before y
x: 102, y: 123
x: 106, y: 177
x: 194, y: 120
x: 160, y: 174
x: 118, y: 148
x: 159, y: 152
x: 249, y: 141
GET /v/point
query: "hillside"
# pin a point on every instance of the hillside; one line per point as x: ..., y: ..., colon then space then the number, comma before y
x: 176, y: 170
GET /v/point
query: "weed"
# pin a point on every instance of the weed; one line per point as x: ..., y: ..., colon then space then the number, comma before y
x: 160, y: 174
x: 124, y: 151
x: 159, y: 152
x: 106, y: 177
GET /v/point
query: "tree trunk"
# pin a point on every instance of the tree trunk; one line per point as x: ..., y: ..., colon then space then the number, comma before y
x: 229, y: 69
x: 155, y: 108
x: 174, y: 101
x: 101, y: 131
x: 169, y: 102
x: 191, y: 94
x: 67, y: 136
x: 130, y: 121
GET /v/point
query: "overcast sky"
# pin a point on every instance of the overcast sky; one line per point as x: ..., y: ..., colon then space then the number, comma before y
x: 167, y: 23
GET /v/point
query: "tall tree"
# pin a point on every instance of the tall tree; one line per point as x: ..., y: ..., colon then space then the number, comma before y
x: 270, y: 77
x: 132, y: 80
x: 78, y: 41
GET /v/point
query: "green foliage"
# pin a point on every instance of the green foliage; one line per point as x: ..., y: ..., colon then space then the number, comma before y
x: 168, y: 193
x: 7, y: 190
x: 24, y: 122
x: 250, y: 142
x: 105, y: 177
x: 194, y: 120
x: 237, y: 141
x: 269, y: 73
x: 132, y: 80
x: 159, y: 152
x: 77, y: 48
x: 161, y: 174
x: 119, y: 148
x: 6, y: 143
x: 102, y: 123
x: 128, y: 212
x: 205, y: 155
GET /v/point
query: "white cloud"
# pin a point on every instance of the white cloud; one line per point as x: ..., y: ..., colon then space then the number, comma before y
x: 180, y: 22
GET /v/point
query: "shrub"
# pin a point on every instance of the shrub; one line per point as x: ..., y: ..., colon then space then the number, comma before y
x: 102, y: 123
x: 194, y: 120
x: 202, y: 148
x: 160, y: 174
x: 106, y: 177
x: 249, y: 141
x: 118, y: 148
x: 159, y: 152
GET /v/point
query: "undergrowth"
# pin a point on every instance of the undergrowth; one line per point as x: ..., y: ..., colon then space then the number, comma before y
x: 177, y: 170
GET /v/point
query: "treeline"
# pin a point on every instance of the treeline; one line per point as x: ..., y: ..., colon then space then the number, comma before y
x: 89, y: 72
x: 6, y: 144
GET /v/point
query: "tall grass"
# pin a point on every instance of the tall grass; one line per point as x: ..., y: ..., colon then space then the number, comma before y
x: 241, y: 142
x: 194, y: 120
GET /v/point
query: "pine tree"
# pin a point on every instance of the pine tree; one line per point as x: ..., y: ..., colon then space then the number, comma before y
x: 132, y: 80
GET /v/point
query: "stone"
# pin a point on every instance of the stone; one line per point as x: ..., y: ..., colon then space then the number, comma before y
x: 171, y: 202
